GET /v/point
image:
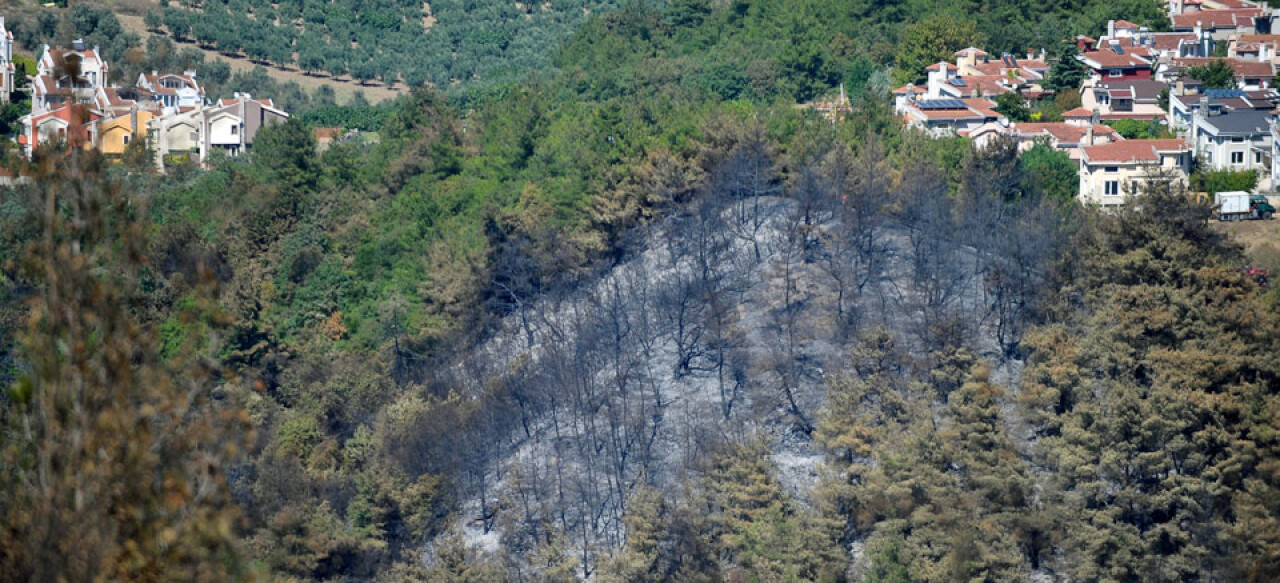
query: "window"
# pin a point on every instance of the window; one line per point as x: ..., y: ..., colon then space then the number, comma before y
x: 1237, y: 139
x: 1115, y: 72
x: 1257, y: 157
x: 1237, y: 157
x: 1111, y: 187
x: 1111, y: 169
x: 125, y: 138
x: 235, y: 130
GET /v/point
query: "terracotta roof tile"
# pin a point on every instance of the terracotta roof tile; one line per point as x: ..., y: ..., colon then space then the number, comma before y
x: 1132, y: 151
x: 1242, y: 68
x: 982, y: 105
x: 1063, y: 132
x: 1208, y: 19
x: 1169, y: 41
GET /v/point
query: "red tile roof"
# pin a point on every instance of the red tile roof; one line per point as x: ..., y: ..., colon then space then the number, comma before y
x: 1063, y: 132
x: 1132, y: 151
x: 1259, y: 38
x: 1230, y: 18
x: 59, y: 56
x: 1168, y: 41
x: 982, y: 105
x: 941, y: 114
x: 1077, y: 112
x: 1125, y: 24
x: 1242, y: 68
x: 986, y: 84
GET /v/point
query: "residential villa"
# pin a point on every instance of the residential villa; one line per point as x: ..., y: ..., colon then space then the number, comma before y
x: 1248, y: 74
x: 72, y: 123
x: 170, y: 90
x: 67, y: 76
x: 115, y: 134
x: 1130, y: 99
x: 1221, y: 25
x: 1111, y: 174
x: 1232, y: 139
x: 1183, y: 108
x: 231, y: 125
x: 1116, y: 63
x: 1068, y: 137
x: 948, y: 117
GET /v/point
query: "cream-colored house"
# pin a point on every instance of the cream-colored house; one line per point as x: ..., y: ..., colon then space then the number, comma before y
x: 231, y: 126
x: 176, y: 133
x: 1111, y: 174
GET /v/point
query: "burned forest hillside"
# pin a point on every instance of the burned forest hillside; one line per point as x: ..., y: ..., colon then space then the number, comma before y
x: 693, y: 302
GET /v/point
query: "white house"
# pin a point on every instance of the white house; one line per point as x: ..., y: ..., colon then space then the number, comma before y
x: 1227, y: 139
x: 1182, y: 108
x: 171, y: 90
x: 67, y: 76
x: 7, y: 69
x: 948, y: 117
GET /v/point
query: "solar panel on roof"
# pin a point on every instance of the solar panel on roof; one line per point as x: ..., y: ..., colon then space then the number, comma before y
x: 932, y: 104
x: 958, y: 82
x: 1224, y: 93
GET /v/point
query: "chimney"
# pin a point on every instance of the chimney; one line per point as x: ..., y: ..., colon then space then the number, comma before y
x: 1111, y: 29
x: 190, y: 73
x: 1096, y: 118
x: 1204, y: 106
x: 133, y: 120
x: 1031, y: 54
x: 1180, y: 88
x: 1088, y: 135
